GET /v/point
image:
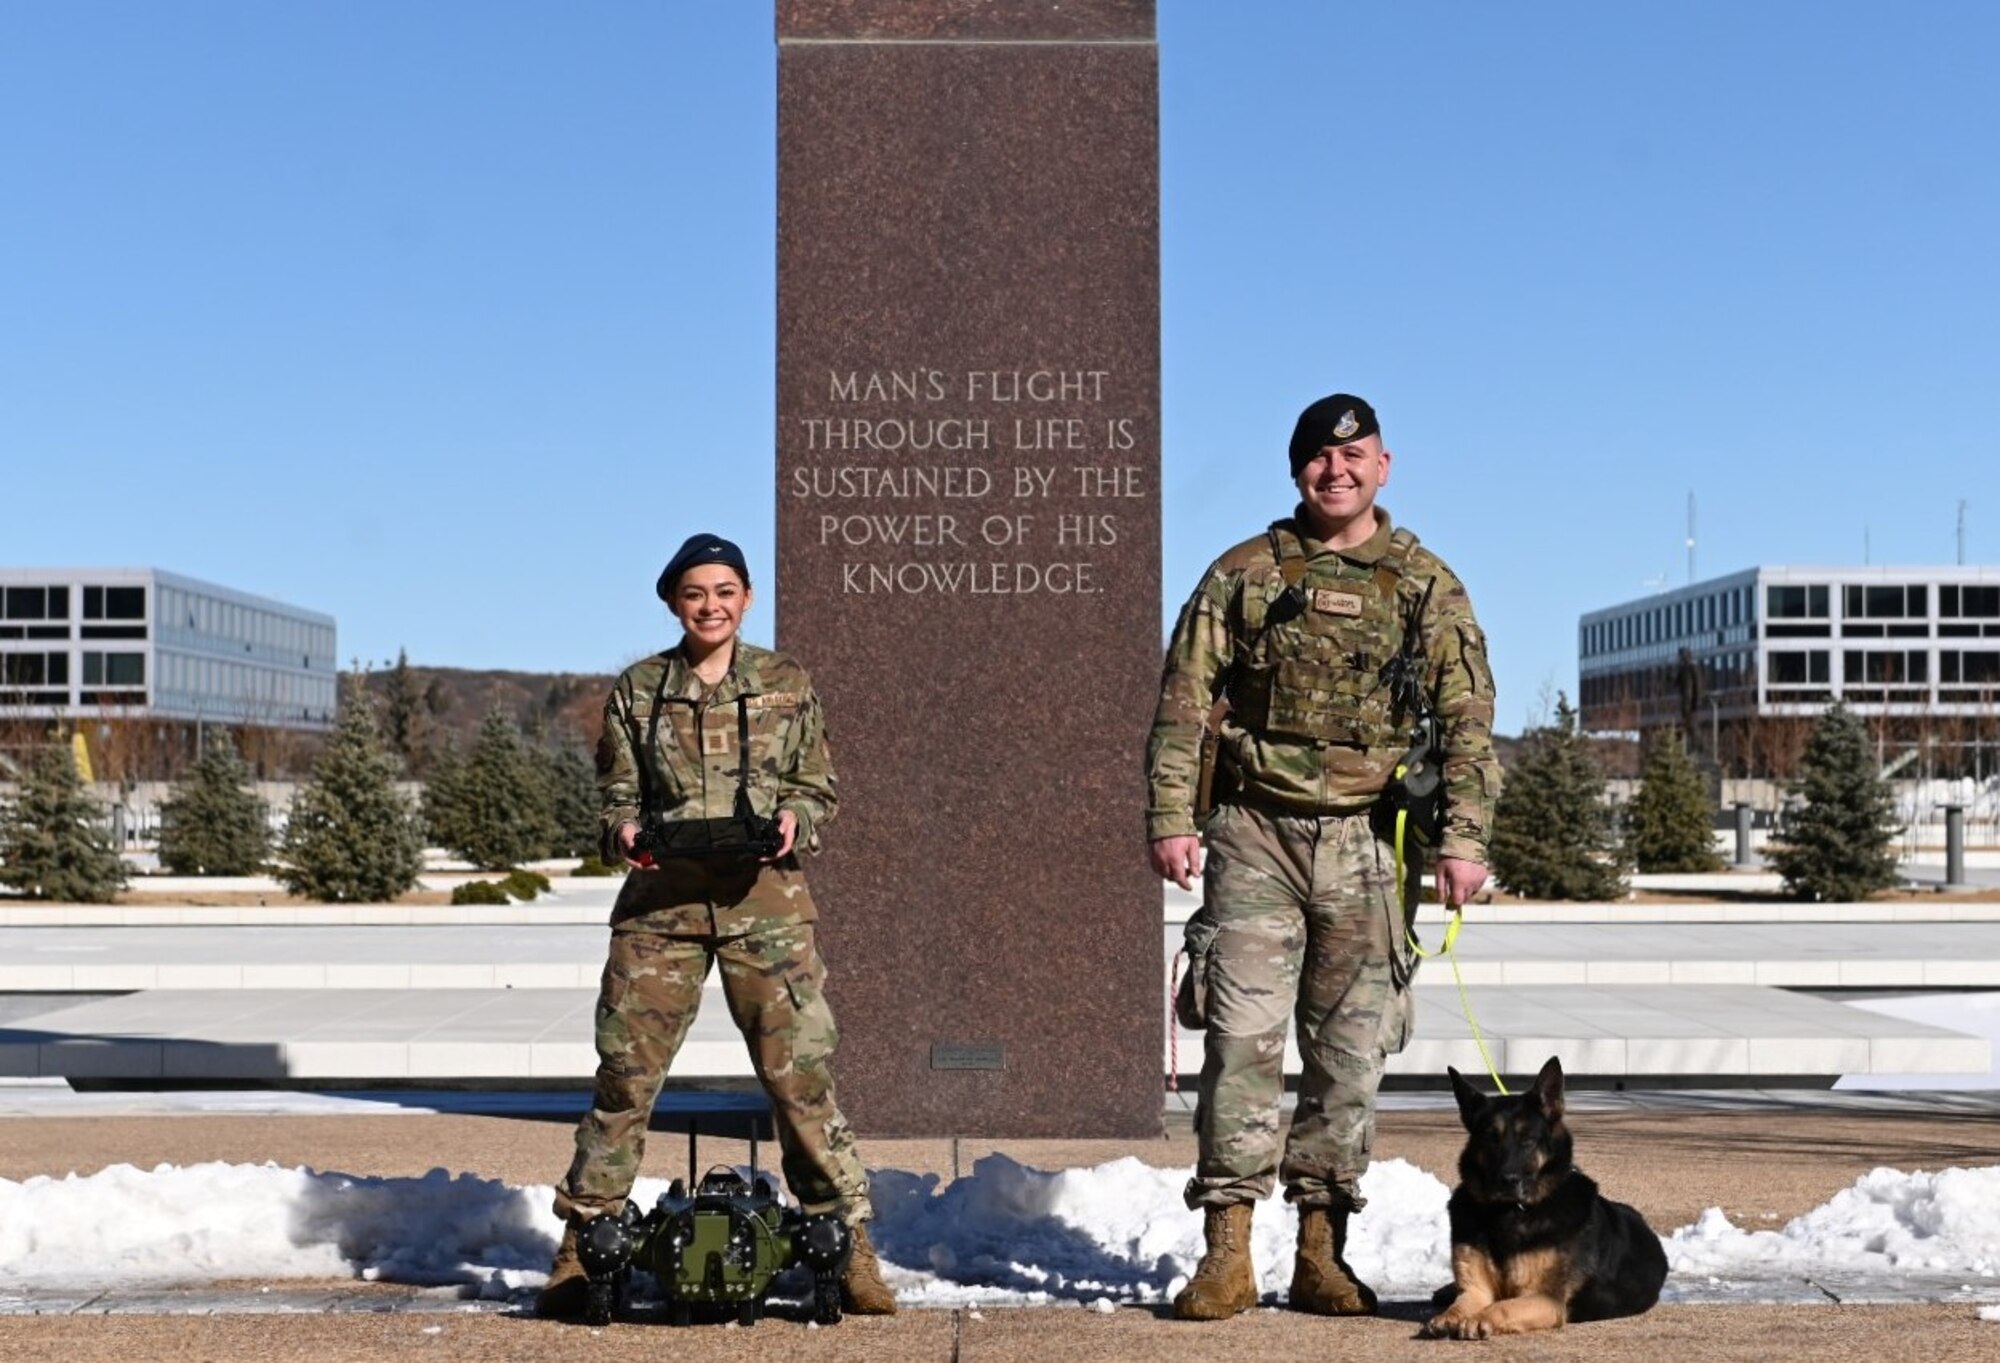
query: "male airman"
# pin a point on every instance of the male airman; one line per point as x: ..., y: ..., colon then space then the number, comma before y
x: 1313, y: 655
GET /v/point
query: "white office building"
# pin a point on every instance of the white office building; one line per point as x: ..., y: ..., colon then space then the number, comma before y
x: 1907, y: 645
x: 81, y: 643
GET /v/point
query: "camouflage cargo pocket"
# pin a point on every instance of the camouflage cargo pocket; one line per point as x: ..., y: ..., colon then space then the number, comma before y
x: 1399, y: 1019
x: 1191, y: 997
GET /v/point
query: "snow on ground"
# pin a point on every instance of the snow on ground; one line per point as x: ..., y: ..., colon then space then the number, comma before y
x: 1889, y: 1223
x: 1004, y: 1234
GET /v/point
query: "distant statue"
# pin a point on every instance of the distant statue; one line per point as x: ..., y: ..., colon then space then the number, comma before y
x: 1688, y: 683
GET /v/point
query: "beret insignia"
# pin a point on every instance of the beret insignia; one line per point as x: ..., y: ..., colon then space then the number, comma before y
x: 1346, y: 426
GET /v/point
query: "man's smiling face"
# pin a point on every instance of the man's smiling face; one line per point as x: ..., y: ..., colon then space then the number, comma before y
x: 1339, y: 484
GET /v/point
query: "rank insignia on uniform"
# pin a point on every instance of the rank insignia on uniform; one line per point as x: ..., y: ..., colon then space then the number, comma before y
x: 715, y: 742
x: 1329, y: 602
x: 1346, y: 426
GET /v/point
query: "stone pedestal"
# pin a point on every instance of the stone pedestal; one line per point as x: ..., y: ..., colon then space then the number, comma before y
x: 969, y: 546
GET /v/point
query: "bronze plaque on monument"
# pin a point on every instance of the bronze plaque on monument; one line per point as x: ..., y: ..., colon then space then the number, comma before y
x: 969, y: 546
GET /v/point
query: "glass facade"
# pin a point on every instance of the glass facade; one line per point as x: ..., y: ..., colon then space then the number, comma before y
x: 161, y: 644
x: 1788, y: 641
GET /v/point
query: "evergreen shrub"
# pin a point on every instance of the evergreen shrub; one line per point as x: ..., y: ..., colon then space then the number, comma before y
x: 479, y: 892
x: 1671, y: 825
x: 502, y: 805
x: 524, y: 884
x: 54, y: 842
x: 1554, y: 836
x: 1837, y: 847
x: 573, y: 801
x: 444, y: 801
x: 351, y: 837
x: 213, y: 825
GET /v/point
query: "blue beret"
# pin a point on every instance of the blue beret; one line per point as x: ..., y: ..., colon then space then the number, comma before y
x: 700, y: 549
x: 1332, y: 420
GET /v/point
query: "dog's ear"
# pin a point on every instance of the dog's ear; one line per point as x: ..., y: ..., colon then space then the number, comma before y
x: 1470, y: 1099
x: 1548, y: 1089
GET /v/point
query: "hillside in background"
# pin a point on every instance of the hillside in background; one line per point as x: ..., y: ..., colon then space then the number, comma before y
x: 449, y: 702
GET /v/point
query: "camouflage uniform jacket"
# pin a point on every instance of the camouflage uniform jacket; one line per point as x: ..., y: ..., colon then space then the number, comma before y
x: 692, y: 771
x: 1312, y: 728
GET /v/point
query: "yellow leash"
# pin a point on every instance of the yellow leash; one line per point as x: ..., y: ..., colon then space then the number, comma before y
x: 1457, y: 921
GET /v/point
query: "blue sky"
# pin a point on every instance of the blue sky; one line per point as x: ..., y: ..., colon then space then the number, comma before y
x: 452, y: 319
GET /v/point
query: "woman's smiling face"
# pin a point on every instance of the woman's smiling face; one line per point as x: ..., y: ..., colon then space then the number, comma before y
x: 709, y: 601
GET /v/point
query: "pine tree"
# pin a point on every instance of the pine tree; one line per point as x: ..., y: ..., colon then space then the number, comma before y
x: 53, y: 840
x: 401, y: 701
x: 212, y: 824
x: 504, y: 802
x: 1837, y: 848
x: 444, y: 796
x: 572, y: 785
x: 351, y: 836
x: 437, y: 700
x: 1672, y: 827
x: 1552, y: 831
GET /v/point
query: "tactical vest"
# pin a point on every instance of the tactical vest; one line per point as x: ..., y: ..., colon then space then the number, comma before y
x: 1311, y: 655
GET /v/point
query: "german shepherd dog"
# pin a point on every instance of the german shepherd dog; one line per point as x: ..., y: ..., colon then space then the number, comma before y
x: 1533, y: 1243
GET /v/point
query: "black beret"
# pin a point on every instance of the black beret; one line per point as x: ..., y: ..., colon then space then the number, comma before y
x: 700, y: 549
x: 1331, y: 421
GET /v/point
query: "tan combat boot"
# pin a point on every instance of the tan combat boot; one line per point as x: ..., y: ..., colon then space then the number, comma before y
x: 1225, y: 1283
x: 562, y: 1297
x: 862, y: 1291
x: 1322, y: 1283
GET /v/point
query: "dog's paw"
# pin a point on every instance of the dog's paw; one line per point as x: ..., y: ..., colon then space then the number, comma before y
x: 1456, y: 1325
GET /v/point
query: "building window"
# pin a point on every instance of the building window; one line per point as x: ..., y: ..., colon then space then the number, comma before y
x: 1799, y: 669
x: 1884, y: 668
x: 34, y: 669
x: 114, y: 669
x: 26, y: 603
x: 114, y: 603
x: 1901, y: 602
x: 1969, y: 668
x: 1978, y: 603
x: 1795, y: 603
x: 35, y: 603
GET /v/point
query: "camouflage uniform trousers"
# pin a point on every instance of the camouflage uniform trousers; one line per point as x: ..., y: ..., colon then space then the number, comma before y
x: 773, y: 979
x: 1299, y: 920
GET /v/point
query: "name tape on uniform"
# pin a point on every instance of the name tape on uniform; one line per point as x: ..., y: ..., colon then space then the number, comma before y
x: 1329, y: 602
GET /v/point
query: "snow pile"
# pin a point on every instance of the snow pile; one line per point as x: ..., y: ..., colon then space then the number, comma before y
x: 205, y: 1222
x: 1004, y: 1234
x: 1888, y: 1225
x: 1120, y: 1232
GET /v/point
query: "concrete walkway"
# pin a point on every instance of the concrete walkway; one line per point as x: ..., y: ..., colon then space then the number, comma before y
x: 395, y: 993
x: 1491, y: 949
x: 495, y: 1035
